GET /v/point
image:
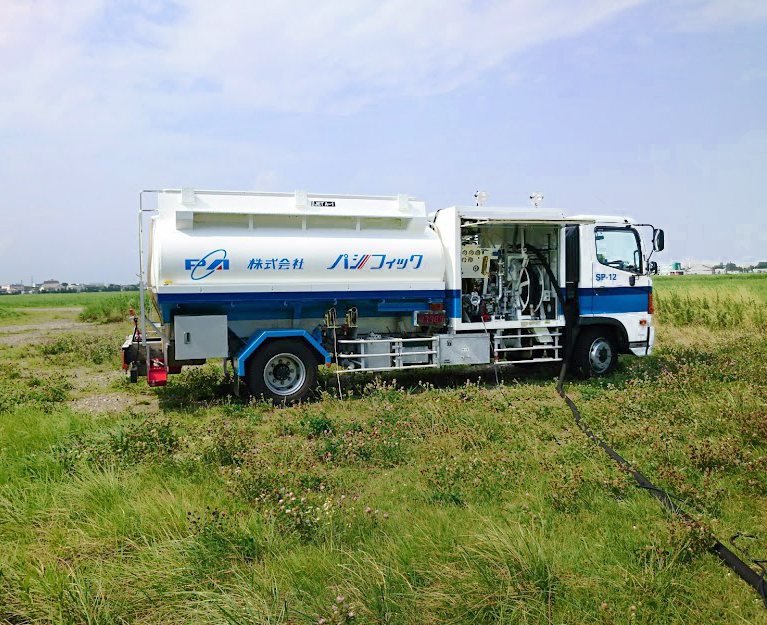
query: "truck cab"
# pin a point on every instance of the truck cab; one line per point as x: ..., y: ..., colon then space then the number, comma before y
x: 614, y: 292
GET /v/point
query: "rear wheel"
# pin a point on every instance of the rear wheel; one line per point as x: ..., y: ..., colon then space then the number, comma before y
x: 596, y: 353
x: 283, y: 371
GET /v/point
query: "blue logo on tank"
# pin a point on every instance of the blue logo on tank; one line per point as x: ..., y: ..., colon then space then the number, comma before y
x: 202, y: 267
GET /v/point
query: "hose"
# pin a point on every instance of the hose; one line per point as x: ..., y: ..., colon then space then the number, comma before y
x: 743, y: 570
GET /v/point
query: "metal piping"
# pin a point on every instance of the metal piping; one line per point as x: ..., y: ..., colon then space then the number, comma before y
x: 142, y: 297
x: 141, y: 274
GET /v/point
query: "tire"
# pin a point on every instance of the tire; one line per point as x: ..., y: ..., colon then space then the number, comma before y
x: 284, y: 371
x: 596, y: 353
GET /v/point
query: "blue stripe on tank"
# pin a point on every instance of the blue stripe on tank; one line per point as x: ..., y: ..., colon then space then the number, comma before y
x: 295, y: 305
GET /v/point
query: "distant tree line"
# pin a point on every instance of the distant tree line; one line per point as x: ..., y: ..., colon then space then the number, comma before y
x: 733, y: 268
x: 93, y: 288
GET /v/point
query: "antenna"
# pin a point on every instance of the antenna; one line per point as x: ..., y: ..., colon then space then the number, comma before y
x: 536, y: 199
x: 481, y: 197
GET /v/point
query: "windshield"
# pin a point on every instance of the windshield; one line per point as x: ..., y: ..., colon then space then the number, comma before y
x: 619, y: 248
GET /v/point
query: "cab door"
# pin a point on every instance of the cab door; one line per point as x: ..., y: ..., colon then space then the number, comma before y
x: 620, y: 286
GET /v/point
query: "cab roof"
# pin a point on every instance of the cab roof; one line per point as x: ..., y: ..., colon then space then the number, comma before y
x: 498, y: 214
x: 616, y: 219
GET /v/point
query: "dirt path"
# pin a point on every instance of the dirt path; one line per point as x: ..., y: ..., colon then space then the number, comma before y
x: 34, y: 332
x: 96, y: 394
x: 93, y: 390
x: 115, y: 402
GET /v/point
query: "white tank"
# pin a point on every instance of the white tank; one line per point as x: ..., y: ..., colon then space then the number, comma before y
x: 226, y: 247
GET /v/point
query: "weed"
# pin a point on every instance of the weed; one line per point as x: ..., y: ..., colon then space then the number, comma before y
x: 226, y: 443
x: 565, y: 489
x: 9, y: 313
x: 466, y: 478
x: 719, y: 454
x: 21, y: 388
x: 340, y: 612
x: 149, y: 440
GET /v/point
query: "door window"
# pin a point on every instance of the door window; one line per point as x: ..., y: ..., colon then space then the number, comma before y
x: 619, y: 248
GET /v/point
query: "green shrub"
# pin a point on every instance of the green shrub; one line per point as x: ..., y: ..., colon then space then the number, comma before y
x: 317, y: 425
x: 84, y: 347
x: 109, y: 309
x: 194, y: 385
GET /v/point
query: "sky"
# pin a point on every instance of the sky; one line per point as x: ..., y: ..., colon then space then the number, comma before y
x: 650, y: 109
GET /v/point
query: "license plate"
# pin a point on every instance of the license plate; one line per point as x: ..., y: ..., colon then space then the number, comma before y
x: 431, y: 318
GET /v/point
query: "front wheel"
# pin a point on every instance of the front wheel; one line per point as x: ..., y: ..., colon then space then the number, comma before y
x: 596, y: 353
x: 283, y: 371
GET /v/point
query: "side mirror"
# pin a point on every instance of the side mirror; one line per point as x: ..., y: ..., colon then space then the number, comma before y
x: 658, y: 242
x: 653, y: 268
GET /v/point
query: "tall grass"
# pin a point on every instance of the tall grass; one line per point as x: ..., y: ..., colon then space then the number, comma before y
x: 713, y: 302
x: 9, y: 313
x: 714, y: 310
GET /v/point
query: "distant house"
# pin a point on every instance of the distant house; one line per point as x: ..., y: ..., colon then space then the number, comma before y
x: 13, y: 289
x: 50, y: 286
x: 701, y: 267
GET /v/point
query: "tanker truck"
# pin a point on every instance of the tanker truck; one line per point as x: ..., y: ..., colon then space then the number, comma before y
x: 275, y: 285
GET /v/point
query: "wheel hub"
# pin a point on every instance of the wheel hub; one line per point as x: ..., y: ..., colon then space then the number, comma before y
x: 281, y: 371
x: 284, y: 374
x: 600, y: 355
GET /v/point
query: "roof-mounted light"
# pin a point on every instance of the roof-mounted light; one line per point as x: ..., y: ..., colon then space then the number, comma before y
x: 536, y: 199
x: 481, y: 197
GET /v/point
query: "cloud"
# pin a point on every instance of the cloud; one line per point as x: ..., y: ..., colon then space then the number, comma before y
x: 101, y: 97
x: 108, y: 61
x: 307, y: 56
x: 120, y: 64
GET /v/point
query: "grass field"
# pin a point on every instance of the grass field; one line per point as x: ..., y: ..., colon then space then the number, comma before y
x: 439, y: 499
x: 102, y: 307
x: 60, y: 300
x: 716, y: 302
